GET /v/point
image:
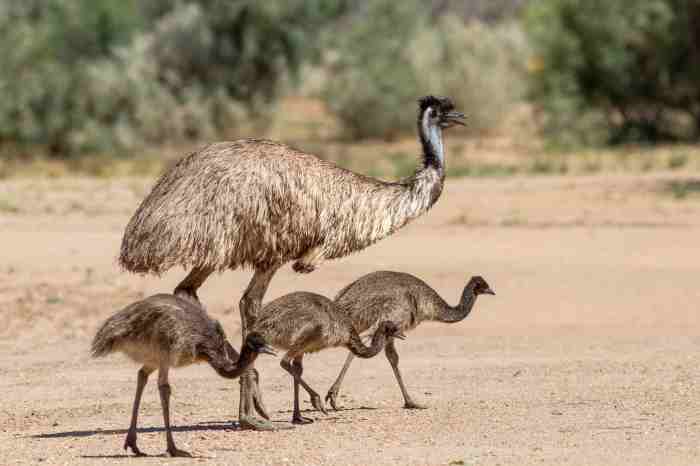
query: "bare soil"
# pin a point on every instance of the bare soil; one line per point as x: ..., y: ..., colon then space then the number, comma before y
x: 588, y: 355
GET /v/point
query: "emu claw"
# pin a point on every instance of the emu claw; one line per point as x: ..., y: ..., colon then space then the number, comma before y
x: 130, y: 442
x: 414, y: 405
x: 176, y: 453
x: 330, y: 399
x: 317, y: 403
x: 251, y: 423
x: 301, y: 420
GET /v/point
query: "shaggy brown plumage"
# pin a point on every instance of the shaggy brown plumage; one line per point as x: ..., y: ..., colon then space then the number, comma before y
x: 164, y: 331
x: 262, y: 204
x: 305, y: 322
x: 258, y: 203
x: 404, y: 300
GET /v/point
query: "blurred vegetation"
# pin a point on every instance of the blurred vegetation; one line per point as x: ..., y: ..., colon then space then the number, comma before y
x: 388, y: 53
x: 97, y: 75
x: 369, y: 78
x: 131, y: 77
x: 616, y: 71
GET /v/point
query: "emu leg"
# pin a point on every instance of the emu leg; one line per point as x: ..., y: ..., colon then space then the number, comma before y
x: 164, y: 390
x: 316, y: 401
x: 250, y: 306
x: 130, y: 441
x: 257, y: 400
x: 188, y: 287
x: 335, y: 388
x: 257, y: 396
x: 297, y: 418
x: 393, y: 357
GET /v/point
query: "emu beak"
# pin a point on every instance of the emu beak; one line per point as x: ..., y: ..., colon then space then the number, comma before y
x: 489, y: 291
x: 267, y: 349
x: 399, y: 335
x: 454, y: 118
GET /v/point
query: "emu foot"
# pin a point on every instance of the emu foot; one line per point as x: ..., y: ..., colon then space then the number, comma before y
x: 252, y: 423
x: 299, y: 419
x: 130, y: 442
x: 177, y: 453
x: 410, y: 404
x: 330, y: 399
x: 303, y: 267
x: 317, y: 403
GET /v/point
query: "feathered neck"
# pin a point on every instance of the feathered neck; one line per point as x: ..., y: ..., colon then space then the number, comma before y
x: 449, y: 314
x: 231, y: 370
x: 430, y: 136
x: 359, y: 349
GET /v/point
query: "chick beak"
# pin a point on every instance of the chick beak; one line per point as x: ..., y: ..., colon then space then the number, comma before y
x: 267, y: 350
x: 399, y: 335
x: 489, y: 291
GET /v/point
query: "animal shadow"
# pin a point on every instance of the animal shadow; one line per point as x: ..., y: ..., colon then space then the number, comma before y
x: 202, y: 426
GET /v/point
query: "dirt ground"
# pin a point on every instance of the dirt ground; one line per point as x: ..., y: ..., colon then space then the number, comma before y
x: 588, y: 355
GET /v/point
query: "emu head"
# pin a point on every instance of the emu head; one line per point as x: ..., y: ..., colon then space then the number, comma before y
x: 391, y: 330
x: 479, y: 285
x: 257, y: 344
x: 439, y: 111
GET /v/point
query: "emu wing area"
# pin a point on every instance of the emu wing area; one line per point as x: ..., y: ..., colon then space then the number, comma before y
x: 251, y: 203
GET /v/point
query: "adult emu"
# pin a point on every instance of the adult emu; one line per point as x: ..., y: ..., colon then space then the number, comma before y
x: 261, y: 204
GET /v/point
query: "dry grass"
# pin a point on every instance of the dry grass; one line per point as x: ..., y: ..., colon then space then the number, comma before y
x: 514, y: 149
x: 484, y: 157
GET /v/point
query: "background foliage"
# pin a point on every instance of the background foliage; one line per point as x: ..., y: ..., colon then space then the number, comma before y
x: 622, y: 71
x: 101, y: 76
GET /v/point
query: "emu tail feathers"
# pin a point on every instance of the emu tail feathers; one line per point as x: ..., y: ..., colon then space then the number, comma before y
x: 103, y: 343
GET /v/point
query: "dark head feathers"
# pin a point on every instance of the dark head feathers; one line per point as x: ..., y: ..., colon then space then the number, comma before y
x: 444, y: 104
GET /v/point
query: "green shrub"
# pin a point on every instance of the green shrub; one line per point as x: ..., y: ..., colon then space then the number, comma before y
x: 392, y: 55
x: 87, y: 75
x: 370, y: 79
x: 482, y: 68
x: 616, y: 71
x: 45, y: 45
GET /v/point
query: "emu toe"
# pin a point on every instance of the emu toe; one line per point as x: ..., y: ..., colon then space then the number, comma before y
x: 130, y: 442
x: 330, y: 399
x: 414, y: 405
x: 251, y: 423
x: 317, y: 403
x: 177, y: 453
x: 301, y: 420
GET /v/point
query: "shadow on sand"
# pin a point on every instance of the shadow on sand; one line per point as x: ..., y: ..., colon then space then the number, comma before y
x: 281, y: 424
x: 202, y: 426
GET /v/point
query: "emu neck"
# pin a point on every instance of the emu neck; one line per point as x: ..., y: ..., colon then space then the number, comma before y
x: 449, y: 314
x: 431, y: 140
x: 231, y: 370
x: 360, y: 350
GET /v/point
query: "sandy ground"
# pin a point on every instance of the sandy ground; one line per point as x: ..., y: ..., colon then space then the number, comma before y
x: 588, y: 355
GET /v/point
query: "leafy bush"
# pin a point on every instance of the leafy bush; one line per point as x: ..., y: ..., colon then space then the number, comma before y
x: 86, y: 75
x: 45, y: 44
x: 616, y: 71
x: 489, y: 11
x: 482, y: 68
x: 370, y: 77
x: 392, y: 55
